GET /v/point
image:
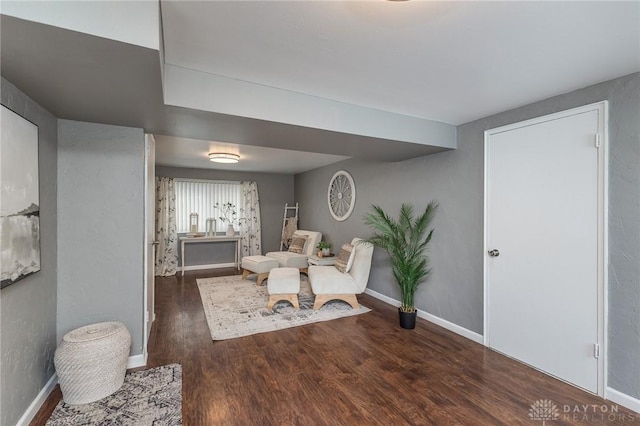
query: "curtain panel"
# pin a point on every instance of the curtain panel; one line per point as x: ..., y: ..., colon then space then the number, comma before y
x: 250, y: 233
x: 166, y: 234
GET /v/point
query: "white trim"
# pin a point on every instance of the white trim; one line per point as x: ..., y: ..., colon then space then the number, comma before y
x: 603, y: 229
x: 471, y: 335
x: 38, y: 402
x: 146, y: 250
x: 382, y: 297
x: 485, y: 232
x: 623, y: 399
x: 212, y: 266
x: 135, y: 361
x: 603, y: 307
x: 548, y: 117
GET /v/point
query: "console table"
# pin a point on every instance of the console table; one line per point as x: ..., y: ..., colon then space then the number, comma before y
x: 190, y: 240
x: 322, y: 261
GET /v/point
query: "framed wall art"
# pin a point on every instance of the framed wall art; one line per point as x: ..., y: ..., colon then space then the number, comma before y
x: 19, y: 198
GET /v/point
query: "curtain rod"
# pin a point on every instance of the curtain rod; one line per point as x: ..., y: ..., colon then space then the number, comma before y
x: 208, y: 181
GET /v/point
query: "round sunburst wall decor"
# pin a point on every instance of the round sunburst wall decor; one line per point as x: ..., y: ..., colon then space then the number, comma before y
x: 341, y: 196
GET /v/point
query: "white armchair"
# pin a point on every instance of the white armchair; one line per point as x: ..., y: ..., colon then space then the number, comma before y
x: 288, y: 259
x: 327, y: 283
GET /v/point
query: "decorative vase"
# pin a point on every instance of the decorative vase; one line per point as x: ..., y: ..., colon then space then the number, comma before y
x: 408, y: 319
x: 193, y: 223
x: 211, y: 227
x: 230, y: 231
x: 326, y: 251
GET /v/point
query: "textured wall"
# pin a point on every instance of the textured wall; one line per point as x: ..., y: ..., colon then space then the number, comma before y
x: 623, y: 95
x: 28, y: 307
x: 274, y: 191
x: 454, y: 179
x: 454, y: 291
x: 100, y: 226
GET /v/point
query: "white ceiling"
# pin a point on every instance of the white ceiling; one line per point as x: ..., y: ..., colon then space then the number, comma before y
x: 445, y: 61
x: 193, y: 153
x: 452, y: 61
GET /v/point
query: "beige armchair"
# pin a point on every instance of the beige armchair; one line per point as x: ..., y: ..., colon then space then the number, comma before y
x: 328, y: 283
x: 288, y: 259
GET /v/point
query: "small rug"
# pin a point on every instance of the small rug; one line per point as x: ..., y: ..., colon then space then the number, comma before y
x: 149, y: 397
x: 235, y: 308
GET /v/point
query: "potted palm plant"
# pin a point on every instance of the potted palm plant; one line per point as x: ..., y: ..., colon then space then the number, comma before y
x: 406, y: 240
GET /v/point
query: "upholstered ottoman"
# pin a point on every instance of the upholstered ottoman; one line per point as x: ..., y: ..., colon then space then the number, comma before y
x: 260, y: 265
x: 283, y: 284
x: 91, y: 361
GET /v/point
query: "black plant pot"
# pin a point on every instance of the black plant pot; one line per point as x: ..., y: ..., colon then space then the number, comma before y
x: 408, y: 319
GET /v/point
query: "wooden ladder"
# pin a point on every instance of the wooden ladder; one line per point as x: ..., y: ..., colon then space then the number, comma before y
x: 289, y: 212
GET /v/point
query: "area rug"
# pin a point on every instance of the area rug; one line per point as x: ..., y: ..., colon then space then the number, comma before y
x: 235, y: 308
x: 149, y: 397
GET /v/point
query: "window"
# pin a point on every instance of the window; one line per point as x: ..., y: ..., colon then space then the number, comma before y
x: 200, y: 196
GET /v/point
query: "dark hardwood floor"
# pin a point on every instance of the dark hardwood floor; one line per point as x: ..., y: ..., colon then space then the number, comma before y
x: 360, y: 370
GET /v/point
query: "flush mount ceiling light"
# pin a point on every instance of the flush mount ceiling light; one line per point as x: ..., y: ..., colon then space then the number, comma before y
x: 223, y: 157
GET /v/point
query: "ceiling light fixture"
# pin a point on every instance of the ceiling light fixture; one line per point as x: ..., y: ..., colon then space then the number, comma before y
x: 223, y: 157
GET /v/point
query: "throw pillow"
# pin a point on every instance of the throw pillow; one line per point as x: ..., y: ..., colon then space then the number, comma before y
x: 297, y: 243
x: 352, y: 256
x: 345, y: 259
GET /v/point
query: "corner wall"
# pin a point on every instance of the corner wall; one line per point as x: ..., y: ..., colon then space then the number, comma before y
x: 454, y: 291
x: 28, y: 307
x: 100, y: 227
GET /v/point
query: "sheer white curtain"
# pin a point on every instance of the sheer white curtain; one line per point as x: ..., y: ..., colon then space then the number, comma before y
x: 167, y: 254
x: 250, y: 220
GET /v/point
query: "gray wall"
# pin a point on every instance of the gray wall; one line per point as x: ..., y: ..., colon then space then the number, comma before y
x: 274, y: 191
x: 100, y: 227
x: 28, y: 307
x: 455, y: 290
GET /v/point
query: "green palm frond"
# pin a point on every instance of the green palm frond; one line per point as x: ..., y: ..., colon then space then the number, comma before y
x: 406, y: 240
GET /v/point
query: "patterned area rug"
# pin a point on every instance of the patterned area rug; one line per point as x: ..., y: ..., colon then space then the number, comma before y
x: 149, y: 397
x: 235, y: 307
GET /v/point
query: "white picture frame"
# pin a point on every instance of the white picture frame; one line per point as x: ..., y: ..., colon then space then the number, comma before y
x: 19, y: 198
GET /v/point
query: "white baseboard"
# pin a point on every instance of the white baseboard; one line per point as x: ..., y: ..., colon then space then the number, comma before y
x: 382, y: 297
x: 610, y: 394
x: 133, y: 362
x: 38, y: 402
x: 471, y: 335
x: 136, y: 361
x: 212, y: 266
x: 623, y: 399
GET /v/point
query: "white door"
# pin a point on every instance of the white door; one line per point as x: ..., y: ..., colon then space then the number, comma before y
x: 544, y: 235
x: 149, y: 252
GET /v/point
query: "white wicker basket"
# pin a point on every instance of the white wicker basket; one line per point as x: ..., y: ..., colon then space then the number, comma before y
x: 91, y: 361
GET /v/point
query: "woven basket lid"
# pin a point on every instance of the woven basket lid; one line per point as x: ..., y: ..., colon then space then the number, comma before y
x: 93, y: 332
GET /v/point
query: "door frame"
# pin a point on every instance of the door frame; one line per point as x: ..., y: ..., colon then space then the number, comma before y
x: 603, y: 218
x: 149, y: 251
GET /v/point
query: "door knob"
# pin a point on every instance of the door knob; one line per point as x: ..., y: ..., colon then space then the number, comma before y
x: 494, y: 253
